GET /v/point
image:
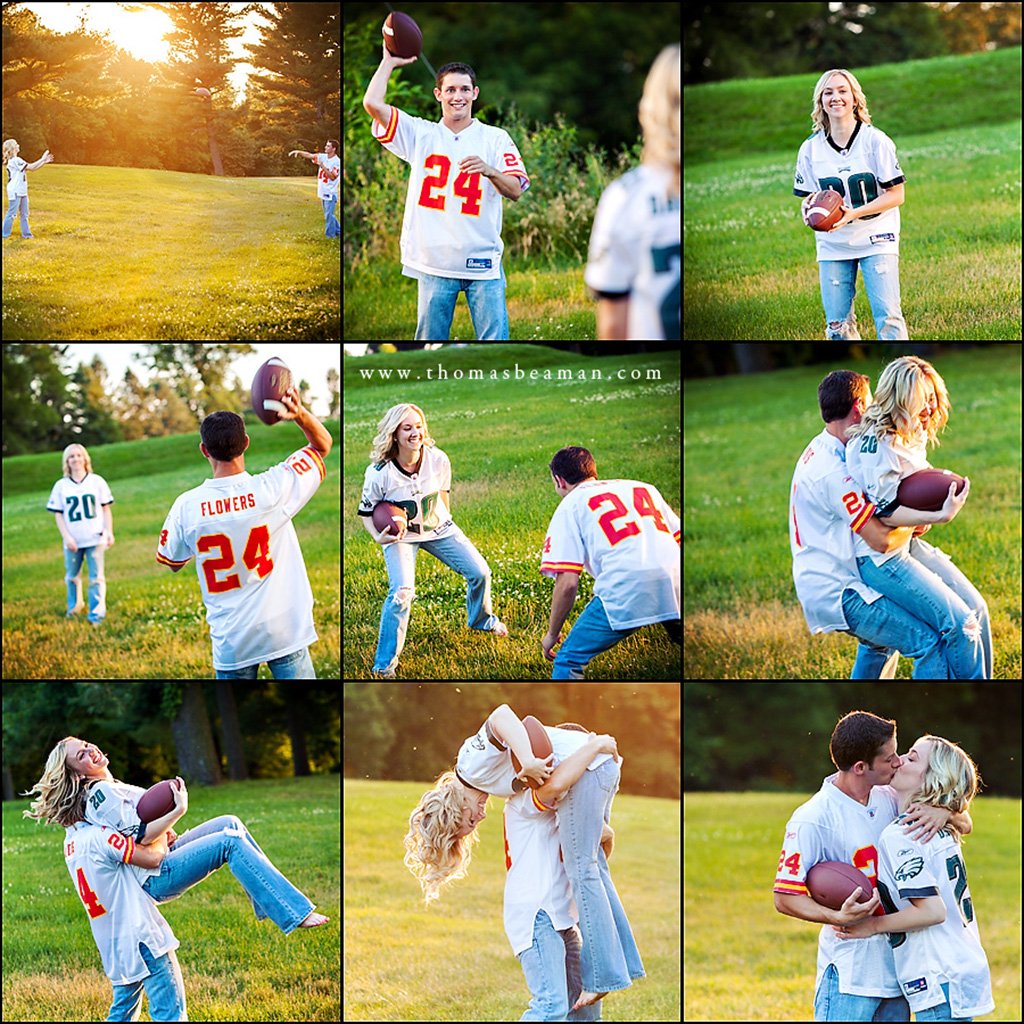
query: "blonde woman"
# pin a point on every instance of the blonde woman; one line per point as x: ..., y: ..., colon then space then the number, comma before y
x: 409, y: 470
x: 910, y: 407
x: 633, y: 268
x: 17, y: 186
x: 80, y: 502
x: 847, y: 154
x: 931, y: 918
x: 441, y: 837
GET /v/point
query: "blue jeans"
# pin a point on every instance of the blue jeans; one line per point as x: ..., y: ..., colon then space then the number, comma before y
x: 881, y: 276
x: 924, y: 581
x: 164, y: 988
x: 435, y: 306
x: 225, y: 840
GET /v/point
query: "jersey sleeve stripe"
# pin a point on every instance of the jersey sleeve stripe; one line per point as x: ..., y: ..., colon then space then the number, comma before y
x: 858, y: 524
x: 318, y: 460
x: 788, y: 887
x: 164, y: 560
x: 539, y: 804
x: 129, y: 849
x: 576, y: 567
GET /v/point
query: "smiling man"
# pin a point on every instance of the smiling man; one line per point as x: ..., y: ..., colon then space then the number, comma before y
x: 461, y: 171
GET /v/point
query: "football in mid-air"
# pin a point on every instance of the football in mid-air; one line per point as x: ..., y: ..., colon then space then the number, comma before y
x: 539, y: 741
x: 831, y: 882
x: 927, y: 489
x: 272, y: 380
x: 390, y: 517
x: 157, y: 801
x: 825, y: 210
x: 402, y: 36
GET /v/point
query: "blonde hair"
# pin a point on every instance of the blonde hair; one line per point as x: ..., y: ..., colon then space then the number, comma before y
x: 61, y: 790
x: 660, y: 114
x: 433, y: 851
x: 819, y: 117
x: 900, y: 397
x: 10, y: 145
x: 85, y: 453
x: 385, y: 445
x: 950, y: 779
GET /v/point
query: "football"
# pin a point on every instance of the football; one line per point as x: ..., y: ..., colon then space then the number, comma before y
x: 272, y: 380
x: 831, y: 882
x: 539, y: 741
x: 387, y: 516
x: 927, y: 489
x: 157, y: 801
x: 825, y: 210
x: 402, y: 36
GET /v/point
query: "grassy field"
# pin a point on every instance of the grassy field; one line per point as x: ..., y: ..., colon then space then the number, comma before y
x: 234, y: 967
x: 746, y: 961
x: 742, y: 437
x: 156, y: 622
x: 750, y: 264
x: 164, y: 256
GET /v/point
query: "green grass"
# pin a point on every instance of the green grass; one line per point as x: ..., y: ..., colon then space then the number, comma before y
x: 162, y: 255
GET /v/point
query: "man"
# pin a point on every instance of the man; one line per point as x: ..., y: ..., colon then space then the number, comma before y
x: 843, y: 822
x: 329, y: 170
x: 626, y: 536
x: 461, y: 171
x: 259, y: 604
x: 826, y: 509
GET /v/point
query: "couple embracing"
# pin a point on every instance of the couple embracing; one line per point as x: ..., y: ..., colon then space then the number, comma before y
x: 558, y: 839
x: 915, y: 945
x: 860, y: 564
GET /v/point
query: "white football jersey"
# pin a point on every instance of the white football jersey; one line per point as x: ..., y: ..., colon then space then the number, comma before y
x: 626, y: 536
x: 878, y: 466
x: 121, y: 914
x: 452, y: 223
x: 834, y: 826
x: 82, y: 505
x: 535, y: 873
x: 112, y: 804
x: 635, y: 251
x: 259, y: 604
x: 419, y: 493
x: 826, y: 510
x: 950, y: 952
x: 860, y: 173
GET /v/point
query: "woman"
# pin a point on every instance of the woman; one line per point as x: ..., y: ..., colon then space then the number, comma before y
x: 634, y: 263
x: 931, y: 917
x: 911, y: 405
x: 77, y: 786
x: 407, y: 469
x: 17, y: 186
x: 442, y: 834
x: 80, y: 502
x: 855, y: 159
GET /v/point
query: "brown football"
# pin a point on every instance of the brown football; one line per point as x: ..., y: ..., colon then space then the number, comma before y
x: 825, y: 210
x: 272, y: 380
x: 384, y: 515
x: 402, y: 36
x: 157, y: 801
x: 831, y: 881
x: 539, y: 741
x: 927, y: 489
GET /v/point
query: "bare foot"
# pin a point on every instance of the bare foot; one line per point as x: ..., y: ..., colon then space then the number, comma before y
x: 588, y: 999
x: 314, y: 919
